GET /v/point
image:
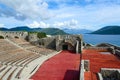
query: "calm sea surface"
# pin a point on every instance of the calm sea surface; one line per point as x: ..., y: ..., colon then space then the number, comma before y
x: 96, y: 39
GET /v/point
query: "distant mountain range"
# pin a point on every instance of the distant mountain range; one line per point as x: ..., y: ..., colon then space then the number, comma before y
x: 113, y: 30
x: 76, y: 31
x: 49, y: 31
x: 109, y: 30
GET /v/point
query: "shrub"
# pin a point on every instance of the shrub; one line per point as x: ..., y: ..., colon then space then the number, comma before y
x: 16, y: 37
x: 41, y: 35
x: 1, y: 37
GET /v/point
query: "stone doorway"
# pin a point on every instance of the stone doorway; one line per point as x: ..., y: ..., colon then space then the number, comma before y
x: 65, y: 47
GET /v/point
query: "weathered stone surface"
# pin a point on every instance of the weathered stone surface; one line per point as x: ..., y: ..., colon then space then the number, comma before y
x: 110, y: 74
x: 59, y: 42
x: 13, y: 34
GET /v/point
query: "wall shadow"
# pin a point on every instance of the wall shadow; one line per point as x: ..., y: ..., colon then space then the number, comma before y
x: 71, y: 51
x: 71, y: 75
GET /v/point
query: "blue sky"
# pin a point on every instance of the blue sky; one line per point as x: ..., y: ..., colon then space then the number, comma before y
x: 73, y: 14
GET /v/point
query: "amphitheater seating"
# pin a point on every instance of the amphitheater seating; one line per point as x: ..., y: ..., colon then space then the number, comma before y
x: 26, y: 45
x: 42, y: 51
x: 14, y: 59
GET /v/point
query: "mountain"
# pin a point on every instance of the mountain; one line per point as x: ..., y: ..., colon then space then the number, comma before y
x: 113, y: 30
x: 76, y: 31
x: 49, y: 31
x: 53, y: 31
x: 21, y: 28
x: 3, y: 29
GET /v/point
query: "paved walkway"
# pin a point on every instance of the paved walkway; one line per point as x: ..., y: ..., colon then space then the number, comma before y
x: 64, y: 66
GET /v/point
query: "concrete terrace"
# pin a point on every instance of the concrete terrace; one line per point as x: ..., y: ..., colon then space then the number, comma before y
x: 98, y: 61
x: 65, y: 65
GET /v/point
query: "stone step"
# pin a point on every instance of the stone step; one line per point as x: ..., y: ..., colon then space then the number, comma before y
x: 2, y: 74
x: 2, y: 68
x: 5, y: 77
x: 13, y: 77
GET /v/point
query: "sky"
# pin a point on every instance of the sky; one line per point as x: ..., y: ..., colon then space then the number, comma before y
x: 72, y: 14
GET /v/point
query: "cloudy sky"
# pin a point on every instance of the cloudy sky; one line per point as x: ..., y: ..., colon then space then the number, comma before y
x: 82, y: 14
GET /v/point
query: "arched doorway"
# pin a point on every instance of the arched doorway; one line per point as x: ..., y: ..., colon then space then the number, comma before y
x: 67, y: 46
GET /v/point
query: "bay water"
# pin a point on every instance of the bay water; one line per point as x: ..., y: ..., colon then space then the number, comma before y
x: 97, y: 39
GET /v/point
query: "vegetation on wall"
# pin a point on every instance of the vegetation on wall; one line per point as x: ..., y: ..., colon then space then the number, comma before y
x: 41, y: 35
x: 32, y: 32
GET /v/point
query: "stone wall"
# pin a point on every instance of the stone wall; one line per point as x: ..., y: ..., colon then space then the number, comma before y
x: 70, y: 40
x: 32, y: 37
x: 13, y: 34
x: 73, y: 42
x: 48, y: 42
x: 57, y: 42
x: 110, y: 74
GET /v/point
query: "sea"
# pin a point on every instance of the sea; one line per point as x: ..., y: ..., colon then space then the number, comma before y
x: 97, y: 39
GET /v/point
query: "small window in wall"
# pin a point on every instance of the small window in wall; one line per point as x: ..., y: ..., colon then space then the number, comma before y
x: 65, y: 47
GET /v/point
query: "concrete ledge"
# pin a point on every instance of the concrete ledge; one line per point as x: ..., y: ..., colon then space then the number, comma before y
x: 81, y: 70
x: 100, y: 76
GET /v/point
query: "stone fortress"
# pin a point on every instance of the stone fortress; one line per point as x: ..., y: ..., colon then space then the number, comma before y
x: 59, y: 42
x: 35, y: 51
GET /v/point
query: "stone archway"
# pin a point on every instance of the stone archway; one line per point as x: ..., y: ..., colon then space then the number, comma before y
x: 67, y: 46
x: 64, y: 47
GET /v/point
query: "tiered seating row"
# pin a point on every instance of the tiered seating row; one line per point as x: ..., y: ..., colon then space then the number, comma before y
x: 42, y: 51
x: 13, y: 60
x: 26, y: 45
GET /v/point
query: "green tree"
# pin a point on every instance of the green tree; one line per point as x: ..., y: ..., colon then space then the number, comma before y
x: 41, y: 35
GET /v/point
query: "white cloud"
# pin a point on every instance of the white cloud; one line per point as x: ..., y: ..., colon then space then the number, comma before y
x: 93, y: 14
x: 65, y: 15
x: 29, y: 8
x: 106, y: 1
x: 40, y: 24
x: 2, y: 25
x: 65, y: 24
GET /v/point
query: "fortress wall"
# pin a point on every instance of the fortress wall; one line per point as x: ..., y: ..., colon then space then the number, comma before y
x: 32, y: 37
x: 13, y: 34
x: 48, y: 42
x: 70, y: 40
x: 54, y: 42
